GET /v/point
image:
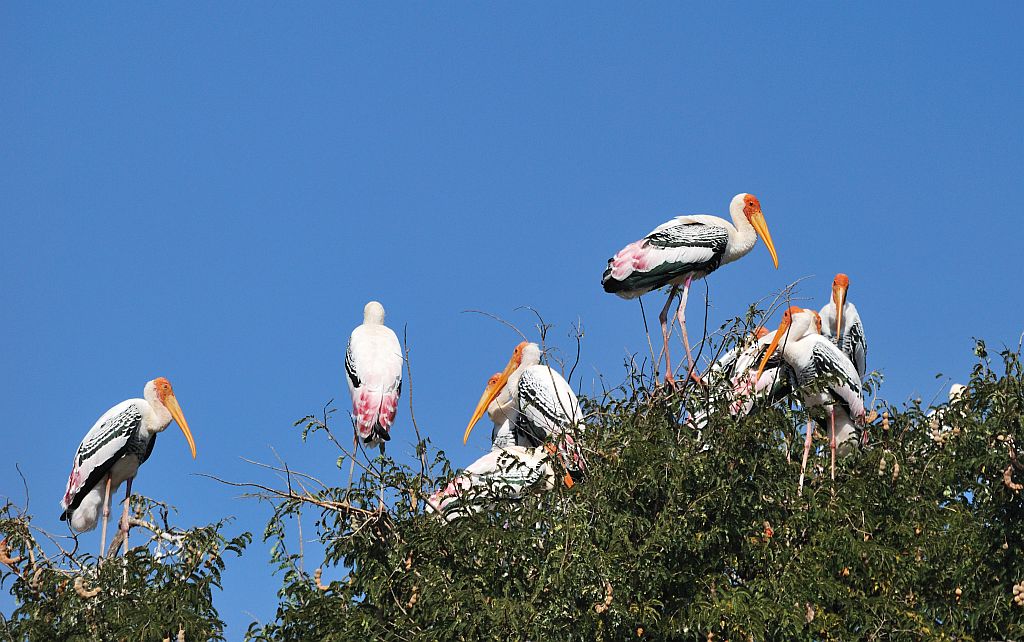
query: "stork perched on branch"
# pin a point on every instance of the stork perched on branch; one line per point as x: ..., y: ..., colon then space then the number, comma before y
x: 373, y: 363
x: 841, y: 323
x: 118, y: 443
x: 536, y: 419
x: 681, y: 250
x: 539, y: 404
x: 825, y: 376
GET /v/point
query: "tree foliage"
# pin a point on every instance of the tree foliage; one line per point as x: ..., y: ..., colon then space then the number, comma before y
x: 680, y: 534
x: 675, y: 534
x: 160, y: 590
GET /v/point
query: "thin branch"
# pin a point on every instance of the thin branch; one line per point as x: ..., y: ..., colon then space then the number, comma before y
x: 500, y: 320
x: 420, y: 446
x: 273, y: 493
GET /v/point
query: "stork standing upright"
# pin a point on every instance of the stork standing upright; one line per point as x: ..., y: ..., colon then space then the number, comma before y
x: 118, y: 443
x: 841, y: 323
x: 824, y: 374
x: 540, y: 406
x: 373, y: 363
x: 683, y: 249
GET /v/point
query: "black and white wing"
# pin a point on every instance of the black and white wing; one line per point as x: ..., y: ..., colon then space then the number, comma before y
x: 830, y: 364
x: 685, y: 245
x: 855, y: 346
x: 103, y: 446
x: 548, y: 411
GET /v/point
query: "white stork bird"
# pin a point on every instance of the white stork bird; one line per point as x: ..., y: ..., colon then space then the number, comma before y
x: 541, y: 408
x: 505, y: 473
x: 683, y: 249
x: 735, y: 371
x: 529, y: 404
x: 373, y: 363
x: 118, y: 443
x: 824, y: 374
x: 842, y: 324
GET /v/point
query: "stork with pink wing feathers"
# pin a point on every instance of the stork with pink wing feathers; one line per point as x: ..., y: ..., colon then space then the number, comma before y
x: 683, y: 249
x: 373, y: 363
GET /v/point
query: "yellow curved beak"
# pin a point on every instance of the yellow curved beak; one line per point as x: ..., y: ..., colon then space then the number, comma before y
x: 761, y: 227
x: 783, y: 328
x: 172, y: 405
x: 839, y: 297
x: 493, y: 389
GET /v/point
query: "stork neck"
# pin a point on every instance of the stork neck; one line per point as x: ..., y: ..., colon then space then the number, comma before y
x: 741, y: 237
x: 531, y: 356
x: 156, y: 417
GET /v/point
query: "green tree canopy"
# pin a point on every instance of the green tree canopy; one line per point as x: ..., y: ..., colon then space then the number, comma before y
x: 675, y: 534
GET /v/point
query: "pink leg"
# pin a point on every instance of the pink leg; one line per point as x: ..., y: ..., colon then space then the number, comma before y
x: 807, y: 451
x: 665, y: 329
x: 832, y: 441
x: 125, y: 526
x: 106, y: 514
x: 681, y: 315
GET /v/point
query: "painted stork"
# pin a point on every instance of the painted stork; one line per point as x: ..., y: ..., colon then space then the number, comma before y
x: 373, y: 363
x: 824, y: 374
x: 540, y: 406
x: 842, y: 324
x: 118, y: 443
x: 683, y: 249
x: 520, y: 460
x: 505, y: 473
x: 735, y: 371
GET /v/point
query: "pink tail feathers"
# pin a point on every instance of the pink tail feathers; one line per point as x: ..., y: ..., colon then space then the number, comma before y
x: 630, y: 259
x: 374, y: 411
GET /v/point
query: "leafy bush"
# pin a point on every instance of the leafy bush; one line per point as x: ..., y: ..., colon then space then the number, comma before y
x: 674, y: 534
x: 677, y: 534
x: 160, y: 590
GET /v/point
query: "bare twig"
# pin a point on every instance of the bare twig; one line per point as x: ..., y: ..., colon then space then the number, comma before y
x: 273, y: 493
x: 578, y: 331
x: 500, y: 320
x: 420, y: 446
x: 647, y: 332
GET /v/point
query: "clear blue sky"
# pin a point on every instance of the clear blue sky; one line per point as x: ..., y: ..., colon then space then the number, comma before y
x: 211, y: 192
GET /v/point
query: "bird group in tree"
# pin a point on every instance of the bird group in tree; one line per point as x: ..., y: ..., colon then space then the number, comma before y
x: 538, y: 428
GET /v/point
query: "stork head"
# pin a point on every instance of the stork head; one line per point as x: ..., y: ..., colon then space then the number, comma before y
x: 750, y: 207
x: 495, y: 385
x: 160, y: 391
x: 817, y: 320
x: 792, y: 313
x: 373, y: 313
x: 761, y: 332
x: 840, y: 285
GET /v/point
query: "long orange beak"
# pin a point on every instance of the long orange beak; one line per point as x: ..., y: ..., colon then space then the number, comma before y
x: 773, y: 346
x: 172, y: 405
x: 839, y: 297
x: 493, y: 389
x: 757, y: 220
